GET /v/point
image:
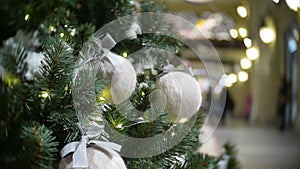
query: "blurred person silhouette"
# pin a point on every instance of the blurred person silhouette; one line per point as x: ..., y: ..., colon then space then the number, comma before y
x: 283, y: 98
x: 229, y: 106
x: 248, y: 105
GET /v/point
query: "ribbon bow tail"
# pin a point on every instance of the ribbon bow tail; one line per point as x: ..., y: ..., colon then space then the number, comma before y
x: 80, y: 156
x: 79, y: 153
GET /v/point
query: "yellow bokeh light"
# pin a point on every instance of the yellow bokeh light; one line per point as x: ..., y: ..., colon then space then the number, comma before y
x: 233, y: 33
x: 232, y: 78
x: 267, y: 34
x: 26, y: 17
x: 243, y: 76
x: 243, y: 32
x: 245, y: 63
x: 252, y: 53
x: 242, y: 11
x: 248, y: 42
x: 125, y: 54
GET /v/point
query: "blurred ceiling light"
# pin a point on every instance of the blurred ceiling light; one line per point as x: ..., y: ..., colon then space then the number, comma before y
x: 276, y: 1
x: 198, y: 1
x: 242, y: 11
x: 266, y: 34
x: 243, y: 32
x: 233, y: 33
x: 252, y: 53
x: 245, y: 63
x: 232, y: 78
x: 293, y: 4
x: 248, y: 42
x: 243, y: 76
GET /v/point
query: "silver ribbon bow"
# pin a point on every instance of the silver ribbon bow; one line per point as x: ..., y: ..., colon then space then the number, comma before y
x: 79, y: 149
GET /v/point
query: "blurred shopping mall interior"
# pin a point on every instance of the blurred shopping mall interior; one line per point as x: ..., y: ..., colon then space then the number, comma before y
x: 257, y: 42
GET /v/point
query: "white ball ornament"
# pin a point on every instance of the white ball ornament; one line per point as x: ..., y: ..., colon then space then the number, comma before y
x: 123, y: 81
x: 182, y: 93
x: 98, y: 158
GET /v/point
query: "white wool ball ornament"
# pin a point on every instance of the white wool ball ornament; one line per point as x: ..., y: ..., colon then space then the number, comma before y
x: 182, y: 93
x: 123, y: 81
x: 98, y: 158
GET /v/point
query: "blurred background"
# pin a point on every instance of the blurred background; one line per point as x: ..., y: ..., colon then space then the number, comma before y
x: 257, y: 42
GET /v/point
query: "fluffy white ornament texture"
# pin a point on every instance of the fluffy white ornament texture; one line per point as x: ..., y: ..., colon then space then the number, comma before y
x: 182, y: 93
x: 123, y: 81
x: 98, y: 158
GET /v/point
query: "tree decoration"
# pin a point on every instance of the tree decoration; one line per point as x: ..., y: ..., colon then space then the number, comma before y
x: 90, y: 153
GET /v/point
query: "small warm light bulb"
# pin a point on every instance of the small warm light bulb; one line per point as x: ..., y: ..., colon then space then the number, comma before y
x: 276, y: 1
x: 245, y: 63
x: 252, y: 53
x: 242, y: 11
x: 125, y: 54
x: 44, y: 94
x: 62, y: 35
x: 243, y: 76
x: 243, y: 32
x: 51, y: 28
x: 26, y: 17
x: 183, y: 120
x: 102, y: 98
x: 119, y: 126
x: 233, y: 33
x: 248, y: 42
x: 73, y: 31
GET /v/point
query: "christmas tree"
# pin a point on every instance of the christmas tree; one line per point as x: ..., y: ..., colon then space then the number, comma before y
x: 38, y: 116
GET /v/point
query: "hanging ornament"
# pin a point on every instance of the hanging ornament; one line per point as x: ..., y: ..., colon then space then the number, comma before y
x: 115, y: 68
x: 123, y: 80
x: 91, y: 154
x: 179, y: 94
x: 96, y: 59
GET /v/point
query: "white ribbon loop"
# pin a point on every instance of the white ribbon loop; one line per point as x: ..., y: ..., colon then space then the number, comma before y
x: 79, y: 150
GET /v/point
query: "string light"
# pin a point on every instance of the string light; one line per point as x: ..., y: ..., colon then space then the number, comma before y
x: 243, y: 76
x: 243, y: 32
x: 52, y: 29
x: 44, y: 94
x: 183, y: 120
x: 252, y: 53
x: 62, y: 35
x: 267, y: 34
x: 73, y: 31
x: 232, y: 78
x: 245, y: 63
x: 242, y: 11
x: 26, y: 17
x: 125, y: 54
x: 248, y: 42
x: 233, y: 33
x: 119, y: 126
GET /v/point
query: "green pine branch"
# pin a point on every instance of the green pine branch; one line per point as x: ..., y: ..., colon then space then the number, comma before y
x: 38, y: 147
